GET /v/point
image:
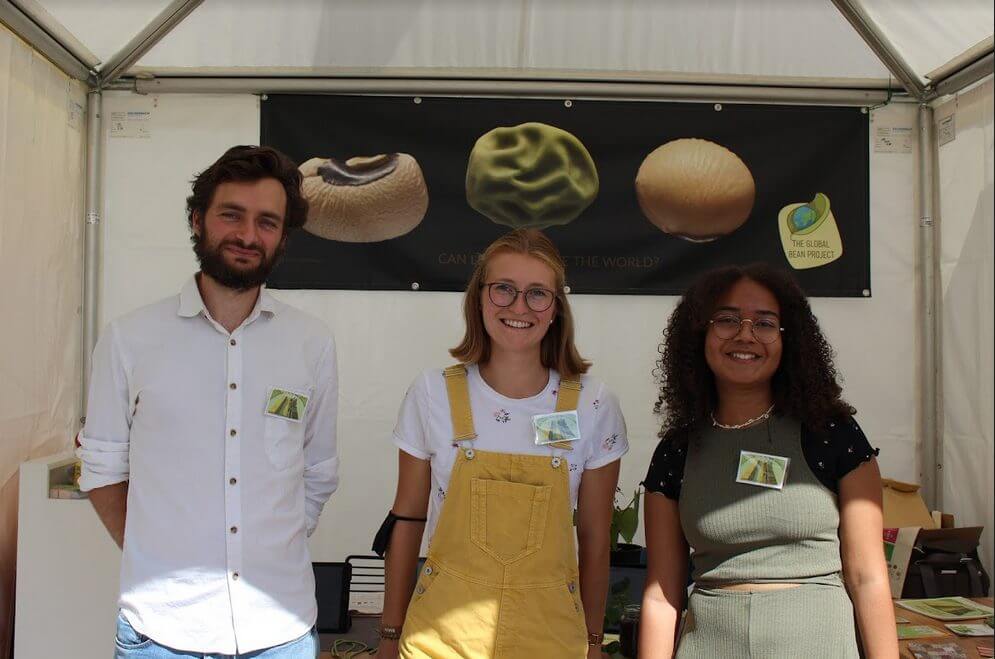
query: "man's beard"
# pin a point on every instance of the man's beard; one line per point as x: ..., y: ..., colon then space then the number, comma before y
x: 212, y: 263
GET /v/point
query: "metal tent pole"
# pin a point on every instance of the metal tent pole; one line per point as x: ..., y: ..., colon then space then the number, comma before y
x: 931, y: 463
x: 963, y: 60
x: 505, y: 87
x: 39, y: 38
x: 968, y: 75
x: 142, y: 42
x: 91, y: 238
x: 169, y: 18
x: 878, y: 42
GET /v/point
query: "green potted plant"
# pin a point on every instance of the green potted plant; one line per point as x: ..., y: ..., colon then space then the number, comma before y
x: 625, y: 522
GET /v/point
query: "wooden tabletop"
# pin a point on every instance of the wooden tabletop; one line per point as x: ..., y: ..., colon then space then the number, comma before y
x: 968, y: 643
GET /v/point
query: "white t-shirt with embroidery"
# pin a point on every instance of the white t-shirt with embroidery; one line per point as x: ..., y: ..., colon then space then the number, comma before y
x: 504, y: 425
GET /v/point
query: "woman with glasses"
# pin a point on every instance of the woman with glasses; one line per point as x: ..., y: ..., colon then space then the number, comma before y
x: 506, y: 451
x: 763, y: 472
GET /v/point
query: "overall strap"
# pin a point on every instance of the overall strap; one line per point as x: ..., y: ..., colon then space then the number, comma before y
x: 567, y: 396
x: 459, y: 403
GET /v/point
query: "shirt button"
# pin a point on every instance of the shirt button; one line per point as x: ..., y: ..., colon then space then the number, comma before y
x: 233, y: 386
x: 420, y: 589
x: 232, y: 481
x: 571, y: 586
x: 232, y: 432
x: 234, y: 576
x: 234, y: 530
x: 233, y: 342
x: 428, y: 570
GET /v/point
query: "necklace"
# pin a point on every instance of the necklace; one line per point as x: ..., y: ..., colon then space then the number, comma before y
x: 748, y: 422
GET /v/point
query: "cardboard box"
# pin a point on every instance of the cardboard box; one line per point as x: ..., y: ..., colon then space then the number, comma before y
x: 903, y: 507
x: 908, y: 523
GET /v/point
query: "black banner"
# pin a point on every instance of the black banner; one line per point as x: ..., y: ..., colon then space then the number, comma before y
x: 809, y: 211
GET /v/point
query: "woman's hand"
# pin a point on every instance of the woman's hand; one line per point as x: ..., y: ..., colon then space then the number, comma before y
x: 387, y: 649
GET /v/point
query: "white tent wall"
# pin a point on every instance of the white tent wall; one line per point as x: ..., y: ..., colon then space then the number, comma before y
x: 386, y: 338
x: 967, y: 227
x: 41, y: 169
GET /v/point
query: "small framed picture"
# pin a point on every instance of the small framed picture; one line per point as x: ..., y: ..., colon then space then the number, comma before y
x: 762, y: 470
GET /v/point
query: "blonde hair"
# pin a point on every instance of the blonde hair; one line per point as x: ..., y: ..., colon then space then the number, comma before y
x: 557, y: 349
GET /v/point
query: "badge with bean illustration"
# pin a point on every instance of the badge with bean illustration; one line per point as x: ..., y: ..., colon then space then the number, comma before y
x: 285, y: 404
x: 556, y: 427
x: 762, y: 469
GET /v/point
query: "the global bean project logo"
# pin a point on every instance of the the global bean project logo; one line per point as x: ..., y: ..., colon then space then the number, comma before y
x: 597, y: 262
x: 813, y: 249
x: 809, y: 234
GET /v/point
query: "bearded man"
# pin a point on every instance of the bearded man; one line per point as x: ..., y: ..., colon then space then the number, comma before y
x: 209, y: 446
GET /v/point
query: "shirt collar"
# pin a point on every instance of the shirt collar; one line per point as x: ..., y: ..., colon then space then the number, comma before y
x: 192, y: 304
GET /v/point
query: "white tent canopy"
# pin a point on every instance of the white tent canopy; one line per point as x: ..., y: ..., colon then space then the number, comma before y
x: 917, y: 357
x: 759, y: 38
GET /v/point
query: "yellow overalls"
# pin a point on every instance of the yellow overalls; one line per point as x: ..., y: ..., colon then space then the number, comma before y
x: 501, y: 578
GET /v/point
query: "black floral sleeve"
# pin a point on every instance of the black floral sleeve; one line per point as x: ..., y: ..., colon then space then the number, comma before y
x: 666, y: 470
x: 836, y: 450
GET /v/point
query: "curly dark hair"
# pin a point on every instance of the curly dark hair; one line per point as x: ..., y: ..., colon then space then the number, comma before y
x: 805, y: 384
x: 247, y: 164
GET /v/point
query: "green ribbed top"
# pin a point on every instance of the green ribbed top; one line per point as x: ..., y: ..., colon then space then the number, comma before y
x: 745, y: 533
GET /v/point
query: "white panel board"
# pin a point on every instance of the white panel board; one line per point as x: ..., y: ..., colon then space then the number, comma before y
x: 67, y: 573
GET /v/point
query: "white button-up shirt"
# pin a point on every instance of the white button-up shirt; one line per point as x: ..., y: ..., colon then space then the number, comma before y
x: 222, y: 495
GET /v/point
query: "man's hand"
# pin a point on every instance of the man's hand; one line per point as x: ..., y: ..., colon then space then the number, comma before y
x: 111, y: 504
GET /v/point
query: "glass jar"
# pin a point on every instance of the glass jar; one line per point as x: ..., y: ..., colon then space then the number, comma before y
x: 629, y: 630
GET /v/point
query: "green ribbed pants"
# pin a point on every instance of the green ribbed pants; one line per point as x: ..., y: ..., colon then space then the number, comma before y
x: 810, y: 620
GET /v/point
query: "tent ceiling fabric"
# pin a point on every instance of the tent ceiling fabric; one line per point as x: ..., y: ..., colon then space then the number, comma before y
x: 721, y: 37
x: 929, y: 33
x: 103, y: 26
x: 765, y: 38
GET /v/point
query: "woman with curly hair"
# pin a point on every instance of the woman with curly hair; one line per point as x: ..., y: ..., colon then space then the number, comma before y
x: 764, y: 474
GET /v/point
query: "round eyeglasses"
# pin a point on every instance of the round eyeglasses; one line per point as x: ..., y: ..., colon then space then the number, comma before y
x: 765, y: 330
x: 537, y: 298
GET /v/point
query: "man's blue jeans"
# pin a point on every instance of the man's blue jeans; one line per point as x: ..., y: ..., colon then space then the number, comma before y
x: 132, y: 645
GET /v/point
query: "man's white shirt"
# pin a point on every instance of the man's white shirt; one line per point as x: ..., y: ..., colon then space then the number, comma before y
x: 222, y: 495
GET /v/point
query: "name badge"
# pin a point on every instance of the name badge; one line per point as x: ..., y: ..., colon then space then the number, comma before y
x: 286, y: 404
x: 556, y: 427
x: 762, y: 470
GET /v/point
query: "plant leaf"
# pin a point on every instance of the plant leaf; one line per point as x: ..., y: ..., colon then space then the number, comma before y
x: 628, y: 523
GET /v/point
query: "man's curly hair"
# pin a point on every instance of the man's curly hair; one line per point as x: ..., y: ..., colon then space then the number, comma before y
x: 805, y: 384
x: 248, y: 163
